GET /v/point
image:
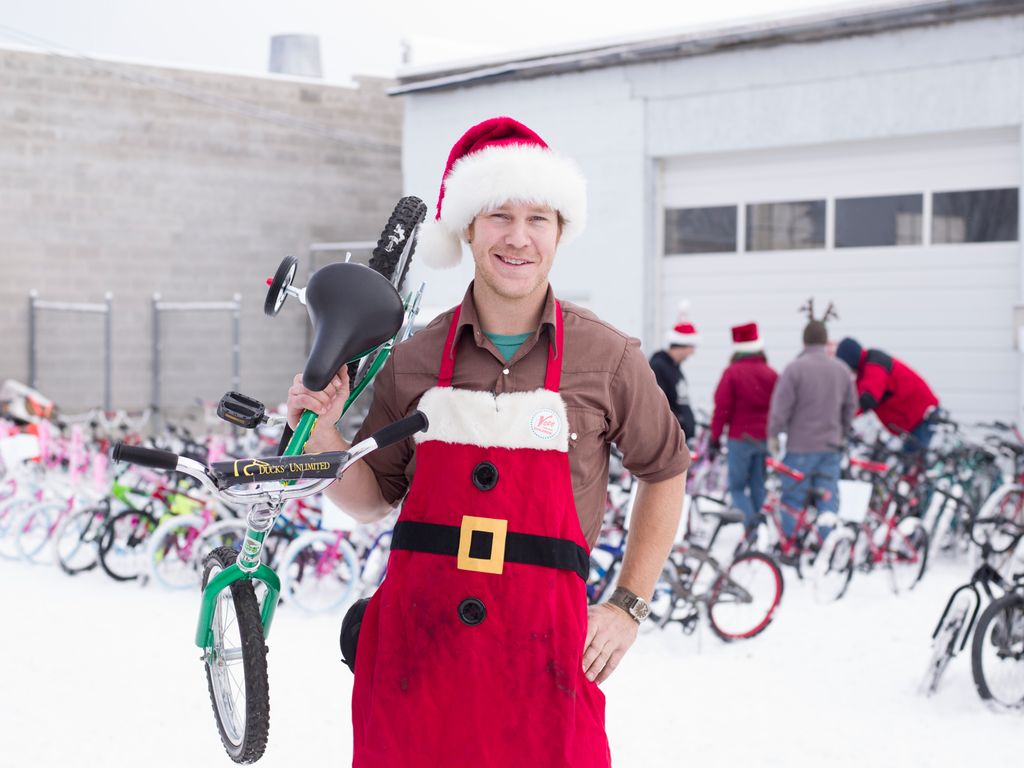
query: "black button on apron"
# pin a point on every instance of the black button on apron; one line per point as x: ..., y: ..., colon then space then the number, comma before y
x: 485, y: 476
x: 472, y: 611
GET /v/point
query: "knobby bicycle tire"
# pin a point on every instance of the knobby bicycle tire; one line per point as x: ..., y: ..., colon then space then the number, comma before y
x: 392, y: 257
x: 731, y: 616
x: 997, y: 652
x: 391, y: 247
x: 236, y: 665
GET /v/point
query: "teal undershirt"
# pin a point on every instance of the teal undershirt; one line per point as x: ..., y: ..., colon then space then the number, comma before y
x: 508, y: 345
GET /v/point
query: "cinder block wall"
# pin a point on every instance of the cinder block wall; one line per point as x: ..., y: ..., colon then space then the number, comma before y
x: 110, y: 185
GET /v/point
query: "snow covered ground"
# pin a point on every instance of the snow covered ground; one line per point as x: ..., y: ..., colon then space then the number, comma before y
x: 98, y: 673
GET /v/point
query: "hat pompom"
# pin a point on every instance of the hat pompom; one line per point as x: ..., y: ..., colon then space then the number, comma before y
x: 437, y: 247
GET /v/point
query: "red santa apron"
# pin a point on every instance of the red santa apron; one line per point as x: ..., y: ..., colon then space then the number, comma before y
x: 470, y: 653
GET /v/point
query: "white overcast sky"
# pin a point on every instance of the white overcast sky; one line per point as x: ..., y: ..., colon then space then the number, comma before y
x: 360, y: 37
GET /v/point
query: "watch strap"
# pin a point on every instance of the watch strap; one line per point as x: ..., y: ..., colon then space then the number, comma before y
x: 631, y: 603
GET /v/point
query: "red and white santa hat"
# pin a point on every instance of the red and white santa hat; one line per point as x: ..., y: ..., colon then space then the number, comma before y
x: 683, y: 333
x: 745, y: 338
x: 496, y: 162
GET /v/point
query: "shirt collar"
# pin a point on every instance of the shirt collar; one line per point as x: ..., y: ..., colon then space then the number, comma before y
x: 468, y: 317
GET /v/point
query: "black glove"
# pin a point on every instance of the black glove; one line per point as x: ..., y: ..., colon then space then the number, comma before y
x: 714, y: 448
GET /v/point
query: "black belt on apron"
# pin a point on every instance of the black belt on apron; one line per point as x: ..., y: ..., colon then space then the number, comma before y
x: 525, y: 548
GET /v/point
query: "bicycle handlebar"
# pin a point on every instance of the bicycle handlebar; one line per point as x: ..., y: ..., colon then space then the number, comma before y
x: 323, y: 467
x: 146, y: 457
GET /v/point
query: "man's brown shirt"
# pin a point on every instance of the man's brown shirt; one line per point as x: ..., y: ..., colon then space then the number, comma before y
x: 609, y: 391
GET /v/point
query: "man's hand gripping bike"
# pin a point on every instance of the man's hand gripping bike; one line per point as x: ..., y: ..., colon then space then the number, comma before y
x: 357, y: 315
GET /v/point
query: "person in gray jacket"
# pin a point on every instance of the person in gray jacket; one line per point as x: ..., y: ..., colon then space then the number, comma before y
x: 814, y: 403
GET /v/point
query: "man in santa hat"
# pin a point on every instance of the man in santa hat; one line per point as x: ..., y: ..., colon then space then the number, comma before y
x: 667, y: 365
x: 479, y: 649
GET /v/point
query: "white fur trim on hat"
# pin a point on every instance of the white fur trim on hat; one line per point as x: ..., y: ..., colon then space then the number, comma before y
x: 437, y: 247
x: 676, y: 339
x: 757, y: 345
x: 499, y: 174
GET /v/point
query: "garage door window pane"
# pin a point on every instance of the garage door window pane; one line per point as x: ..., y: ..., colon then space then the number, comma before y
x: 980, y: 216
x: 863, y: 222
x: 700, y: 230
x: 786, y: 226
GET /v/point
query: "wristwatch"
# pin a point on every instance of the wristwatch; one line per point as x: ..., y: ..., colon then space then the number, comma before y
x: 631, y: 603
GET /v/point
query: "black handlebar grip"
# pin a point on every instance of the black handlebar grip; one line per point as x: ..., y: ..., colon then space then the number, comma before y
x: 146, y: 457
x: 401, y: 429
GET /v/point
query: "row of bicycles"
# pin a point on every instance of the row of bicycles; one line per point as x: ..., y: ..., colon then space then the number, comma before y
x: 901, y: 507
x: 64, y: 504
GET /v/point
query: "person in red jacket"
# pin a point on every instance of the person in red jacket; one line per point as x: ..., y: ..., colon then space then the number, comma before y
x: 900, y: 398
x: 742, y: 401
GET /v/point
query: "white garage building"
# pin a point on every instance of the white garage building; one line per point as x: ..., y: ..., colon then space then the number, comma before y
x: 868, y: 159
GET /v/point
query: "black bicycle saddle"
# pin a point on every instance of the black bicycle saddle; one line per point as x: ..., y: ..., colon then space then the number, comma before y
x: 354, y: 310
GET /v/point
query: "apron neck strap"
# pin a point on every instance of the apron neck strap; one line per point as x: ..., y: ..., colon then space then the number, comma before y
x: 552, y: 378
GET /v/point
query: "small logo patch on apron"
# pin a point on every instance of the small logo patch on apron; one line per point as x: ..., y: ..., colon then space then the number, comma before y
x: 545, y: 424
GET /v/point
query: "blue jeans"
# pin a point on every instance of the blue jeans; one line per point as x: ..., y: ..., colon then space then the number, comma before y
x: 746, y: 470
x: 923, y: 433
x: 795, y: 493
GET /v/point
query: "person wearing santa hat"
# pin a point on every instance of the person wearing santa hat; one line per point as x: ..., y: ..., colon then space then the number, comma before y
x: 667, y: 364
x: 479, y: 649
x: 742, y: 401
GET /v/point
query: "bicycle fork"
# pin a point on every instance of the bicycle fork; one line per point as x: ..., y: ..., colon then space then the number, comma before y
x: 247, y: 567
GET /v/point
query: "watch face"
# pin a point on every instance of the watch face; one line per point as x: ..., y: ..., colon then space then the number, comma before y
x: 641, y: 609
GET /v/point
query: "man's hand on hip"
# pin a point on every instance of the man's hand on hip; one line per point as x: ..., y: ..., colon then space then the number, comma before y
x: 610, y: 633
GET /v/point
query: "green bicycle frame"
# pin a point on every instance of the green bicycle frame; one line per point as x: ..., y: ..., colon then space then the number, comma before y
x: 253, y: 544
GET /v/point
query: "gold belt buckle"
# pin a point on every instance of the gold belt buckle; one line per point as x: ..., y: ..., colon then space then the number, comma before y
x: 497, y: 529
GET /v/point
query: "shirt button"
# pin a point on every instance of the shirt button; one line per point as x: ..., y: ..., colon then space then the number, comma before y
x: 505, y: 371
x: 573, y: 435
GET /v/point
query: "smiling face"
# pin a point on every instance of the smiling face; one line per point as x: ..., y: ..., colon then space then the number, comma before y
x: 513, y: 248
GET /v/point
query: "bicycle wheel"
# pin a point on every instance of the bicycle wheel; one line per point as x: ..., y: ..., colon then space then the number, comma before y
x: 947, y: 642
x: 393, y: 254
x: 236, y: 665
x: 833, y: 567
x: 318, y: 576
x: 34, y: 531
x: 175, y: 552
x: 745, y: 597
x: 997, y: 654
x: 12, y: 516
x: 123, y: 544
x: 906, y: 553
x: 76, y: 539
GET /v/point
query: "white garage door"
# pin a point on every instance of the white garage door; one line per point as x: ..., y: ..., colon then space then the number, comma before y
x: 915, y: 242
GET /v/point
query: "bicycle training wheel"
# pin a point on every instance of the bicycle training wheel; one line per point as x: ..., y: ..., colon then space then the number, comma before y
x: 946, y: 643
x: 833, y: 567
x: 236, y: 665
x: 906, y: 553
x: 997, y: 654
x: 745, y: 597
x: 123, y: 544
x: 282, y: 280
x: 319, y: 573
